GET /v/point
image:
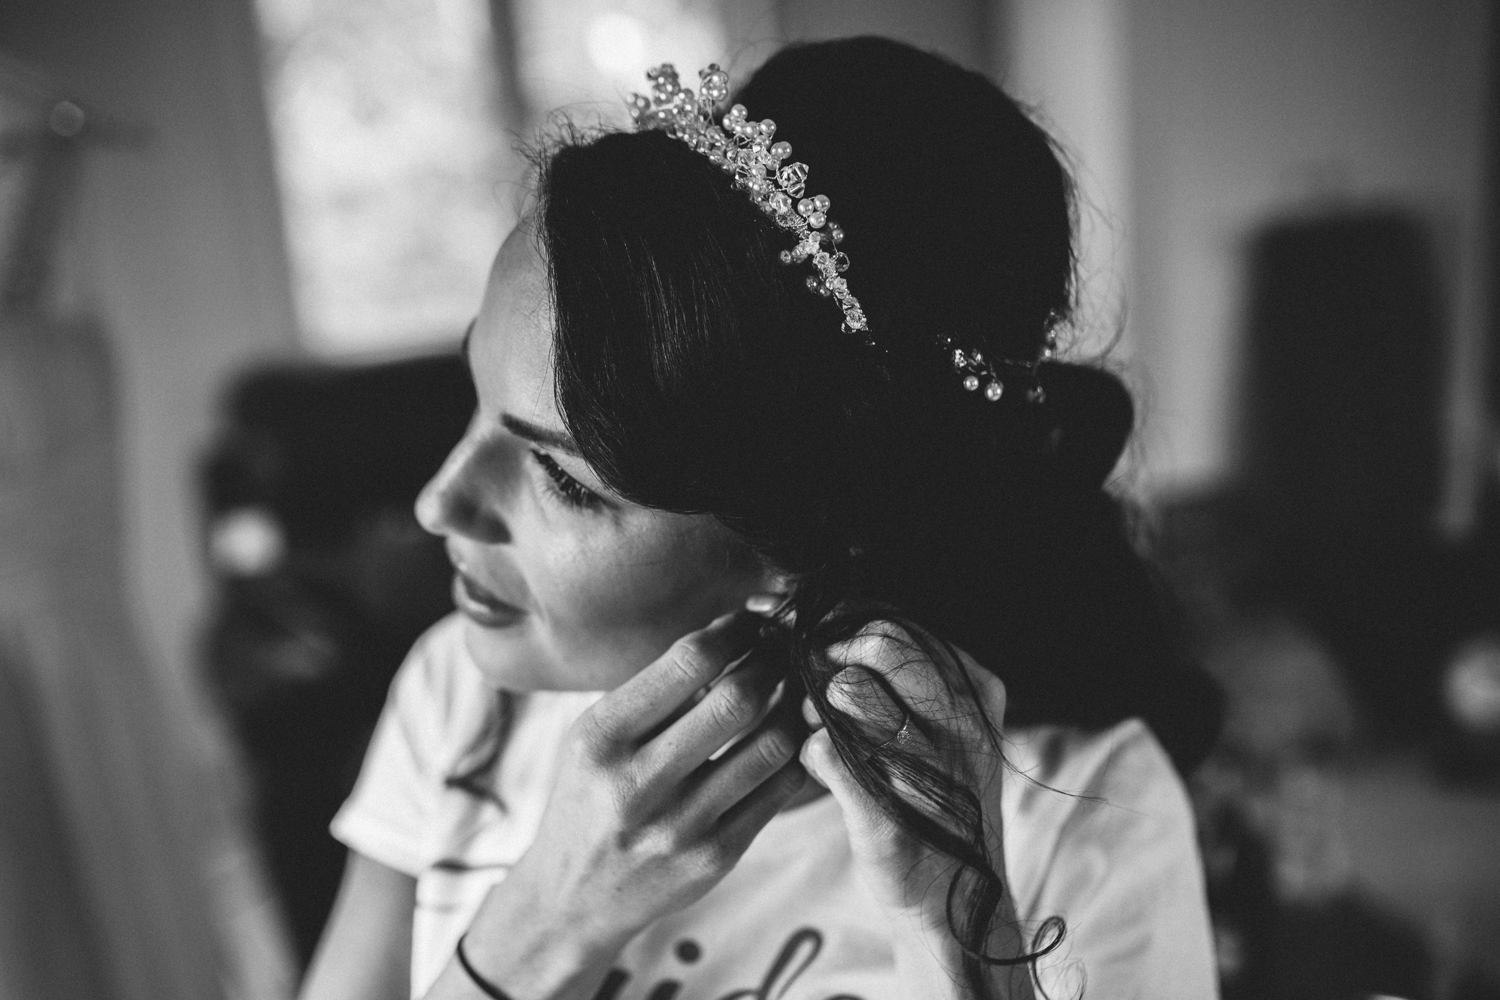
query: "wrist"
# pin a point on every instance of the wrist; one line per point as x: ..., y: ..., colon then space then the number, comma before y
x: 476, y: 978
x: 521, y: 943
x: 562, y: 968
x: 516, y: 970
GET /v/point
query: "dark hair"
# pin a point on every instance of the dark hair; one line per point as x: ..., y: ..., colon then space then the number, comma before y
x: 698, y: 375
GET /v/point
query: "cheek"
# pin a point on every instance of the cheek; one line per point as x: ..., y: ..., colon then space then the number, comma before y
x: 612, y: 604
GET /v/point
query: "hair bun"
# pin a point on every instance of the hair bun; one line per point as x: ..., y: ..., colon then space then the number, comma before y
x: 1089, y: 416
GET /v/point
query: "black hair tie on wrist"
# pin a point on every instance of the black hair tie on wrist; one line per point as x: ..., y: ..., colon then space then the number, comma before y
x: 489, y: 989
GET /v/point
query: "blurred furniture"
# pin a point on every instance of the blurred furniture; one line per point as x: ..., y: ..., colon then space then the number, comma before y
x: 323, y: 581
x: 1427, y: 850
x: 1341, y: 475
x: 1351, y: 814
x: 1332, y: 519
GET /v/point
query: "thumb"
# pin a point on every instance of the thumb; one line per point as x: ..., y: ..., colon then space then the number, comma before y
x: 882, y: 855
x: 867, y: 822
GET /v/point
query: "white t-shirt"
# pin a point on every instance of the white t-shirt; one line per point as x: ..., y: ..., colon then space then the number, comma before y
x: 1097, y: 830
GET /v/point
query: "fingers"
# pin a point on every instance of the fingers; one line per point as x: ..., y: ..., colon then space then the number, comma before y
x: 865, y: 696
x: 888, y: 683
x: 823, y: 765
x: 897, y: 868
x: 749, y: 815
x: 730, y: 707
x: 725, y: 782
x: 643, y: 702
x: 886, y: 667
x: 862, y: 814
x: 810, y: 714
x: 903, y: 666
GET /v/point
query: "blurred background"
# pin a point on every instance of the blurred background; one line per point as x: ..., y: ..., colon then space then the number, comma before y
x: 239, y: 240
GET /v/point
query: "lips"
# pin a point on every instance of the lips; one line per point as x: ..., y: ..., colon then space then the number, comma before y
x: 479, y: 603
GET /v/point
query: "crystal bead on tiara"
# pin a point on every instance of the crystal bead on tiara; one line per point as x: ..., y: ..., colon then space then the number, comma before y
x: 748, y: 151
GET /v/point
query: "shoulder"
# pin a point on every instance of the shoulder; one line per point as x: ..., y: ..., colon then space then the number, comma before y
x: 445, y: 703
x: 1080, y: 805
x: 1099, y: 830
x: 1123, y: 764
x: 442, y: 719
x: 435, y: 705
x: 438, y: 694
x: 438, y: 669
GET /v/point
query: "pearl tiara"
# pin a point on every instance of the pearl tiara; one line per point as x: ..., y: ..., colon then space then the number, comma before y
x: 747, y: 150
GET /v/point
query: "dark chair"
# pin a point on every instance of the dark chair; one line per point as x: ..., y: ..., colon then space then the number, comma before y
x: 323, y: 580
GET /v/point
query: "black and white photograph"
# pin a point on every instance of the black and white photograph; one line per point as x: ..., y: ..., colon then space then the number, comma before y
x: 749, y: 500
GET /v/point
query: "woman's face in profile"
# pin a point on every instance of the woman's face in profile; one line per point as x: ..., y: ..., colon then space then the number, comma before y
x: 563, y: 585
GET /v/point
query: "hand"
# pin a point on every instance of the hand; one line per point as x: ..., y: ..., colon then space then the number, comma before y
x: 894, y: 690
x: 641, y: 822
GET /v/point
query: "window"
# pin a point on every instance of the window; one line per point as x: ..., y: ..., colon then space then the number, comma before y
x: 397, y: 160
x: 587, y: 55
x: 397, y: 173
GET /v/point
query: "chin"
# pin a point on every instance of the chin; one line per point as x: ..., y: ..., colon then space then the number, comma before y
x: 512, y: 660
x: 505, y: 658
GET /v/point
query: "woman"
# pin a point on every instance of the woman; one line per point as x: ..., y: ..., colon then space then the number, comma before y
x: 672, y: 427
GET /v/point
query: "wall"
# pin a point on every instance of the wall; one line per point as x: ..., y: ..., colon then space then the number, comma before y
x: 1191, y: 123
x: 1243, y: 111
x: 1069, y: 61
x: 966, y: 31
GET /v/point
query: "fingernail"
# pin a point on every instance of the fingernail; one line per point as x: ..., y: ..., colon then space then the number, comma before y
x: 810, y: 714
x: 764, y: 604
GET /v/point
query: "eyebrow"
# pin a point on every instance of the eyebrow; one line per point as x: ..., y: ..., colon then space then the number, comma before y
x: 541, y: 435
x: 516, y: 425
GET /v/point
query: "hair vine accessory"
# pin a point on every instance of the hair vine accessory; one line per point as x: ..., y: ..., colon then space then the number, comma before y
x: 745, y: 149
x: 976, y: 369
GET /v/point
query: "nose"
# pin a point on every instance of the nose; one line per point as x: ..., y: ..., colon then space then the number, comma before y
x: 464, y: 496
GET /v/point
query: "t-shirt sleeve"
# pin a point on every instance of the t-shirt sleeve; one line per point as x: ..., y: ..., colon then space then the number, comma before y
x: 1131, y: 890
x: 389, y: 814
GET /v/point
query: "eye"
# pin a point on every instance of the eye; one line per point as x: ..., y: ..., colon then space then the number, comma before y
x: 567, y: 489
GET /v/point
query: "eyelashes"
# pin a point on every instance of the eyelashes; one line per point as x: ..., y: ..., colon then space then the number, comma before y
x: 567, y: 489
